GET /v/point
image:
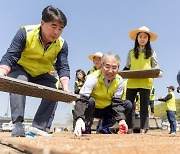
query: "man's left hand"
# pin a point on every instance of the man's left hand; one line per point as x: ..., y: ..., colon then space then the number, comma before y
x: 123, y: 127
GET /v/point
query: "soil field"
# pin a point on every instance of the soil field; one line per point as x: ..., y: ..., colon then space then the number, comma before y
x: 154, y: 142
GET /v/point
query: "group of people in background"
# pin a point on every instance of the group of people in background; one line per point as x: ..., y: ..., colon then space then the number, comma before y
x: 140, y: 57
x: 36, y: 50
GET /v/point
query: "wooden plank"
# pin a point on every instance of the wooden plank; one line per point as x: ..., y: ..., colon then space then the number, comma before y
x: 16, y: 86
x: 147, y: 73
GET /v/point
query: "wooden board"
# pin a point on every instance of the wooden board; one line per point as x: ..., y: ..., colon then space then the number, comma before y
x: 148, y: 73
x: 11, y: 85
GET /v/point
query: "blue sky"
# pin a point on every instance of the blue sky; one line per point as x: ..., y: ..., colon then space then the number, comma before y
x: 103, y: 26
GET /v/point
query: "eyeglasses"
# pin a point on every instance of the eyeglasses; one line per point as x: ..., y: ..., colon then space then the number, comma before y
x: 108, y: 67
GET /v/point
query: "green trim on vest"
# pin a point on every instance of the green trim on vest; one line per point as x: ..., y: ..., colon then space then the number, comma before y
x: 152, y: 97
x: 171, y: 103
x: 139, y: 64
x: 103, y: 94
x: 34, y: 59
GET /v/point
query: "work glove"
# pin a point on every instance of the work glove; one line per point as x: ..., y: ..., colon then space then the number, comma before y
x: 4, y: 70
x: 80, y: 126
x: 123, y: 127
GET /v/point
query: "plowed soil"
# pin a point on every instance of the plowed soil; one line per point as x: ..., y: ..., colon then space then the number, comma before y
x: 154, y: 142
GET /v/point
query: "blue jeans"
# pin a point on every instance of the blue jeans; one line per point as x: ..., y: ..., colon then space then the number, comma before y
x: 172, y: 120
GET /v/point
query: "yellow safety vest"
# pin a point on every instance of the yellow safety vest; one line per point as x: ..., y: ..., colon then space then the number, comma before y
x: 57, y: 83
x: 103, y: 94
x: 79, y: 84
x: 139, y: 64
x: 171, y: 103
x: 92, y: 70
x: 34, y: 59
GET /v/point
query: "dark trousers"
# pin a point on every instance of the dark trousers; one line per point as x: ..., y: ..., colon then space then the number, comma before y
x: 107, y: 114
x: 144, y: 99
x: 17, y: 102
x: 172, y: 120
x: 52, y: 116
x: 151, y: 104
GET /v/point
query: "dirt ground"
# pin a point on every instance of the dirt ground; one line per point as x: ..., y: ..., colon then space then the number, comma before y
x: 155, y: 141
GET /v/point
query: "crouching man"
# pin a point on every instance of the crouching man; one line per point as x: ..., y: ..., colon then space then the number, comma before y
x: 100, y: 97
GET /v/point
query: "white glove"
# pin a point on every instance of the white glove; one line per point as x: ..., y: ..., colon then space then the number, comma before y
x: 80, y: 126
x: 123, y: 127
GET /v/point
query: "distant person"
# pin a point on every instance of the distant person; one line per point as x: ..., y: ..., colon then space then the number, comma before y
x: 151, y: 101
x: 140, y: 57
x: 137, y: 105
x: 100, y: 97
x: 171, y: 108
x: 79, y: 81
x: 178, y: 80
x: 96, y: 58
x: 33, y: 52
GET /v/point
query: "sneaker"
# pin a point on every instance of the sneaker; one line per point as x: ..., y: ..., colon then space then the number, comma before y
x: 49, y: 131
x: 143, y: 131
x: 18, y: 130
x: 29, y: 134
x: 38, y: 132
x: 130, y: 131
x: 172, y: 133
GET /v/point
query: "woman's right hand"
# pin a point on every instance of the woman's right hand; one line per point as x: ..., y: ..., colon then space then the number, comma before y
x: 160, y: 74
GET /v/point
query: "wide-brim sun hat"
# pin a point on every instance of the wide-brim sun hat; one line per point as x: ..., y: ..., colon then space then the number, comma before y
x: 97, y: 54
x: 133, y: 33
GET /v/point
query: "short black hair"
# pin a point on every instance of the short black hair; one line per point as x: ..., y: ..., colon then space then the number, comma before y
x: 51, y: 13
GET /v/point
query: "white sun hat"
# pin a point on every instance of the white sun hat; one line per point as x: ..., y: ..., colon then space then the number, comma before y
x: 97, y: 54
x: 133, y: 33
